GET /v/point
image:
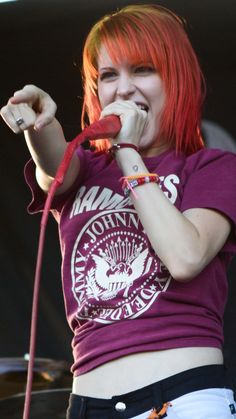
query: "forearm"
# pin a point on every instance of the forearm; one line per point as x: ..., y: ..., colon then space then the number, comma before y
x: 47, y: 148
x: 43, y: 133
x: 173, y: 237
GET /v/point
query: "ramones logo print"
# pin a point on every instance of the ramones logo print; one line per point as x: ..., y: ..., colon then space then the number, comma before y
x: 116, y: 275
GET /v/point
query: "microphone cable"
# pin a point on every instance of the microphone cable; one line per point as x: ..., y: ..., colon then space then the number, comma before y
x: 106, y: 127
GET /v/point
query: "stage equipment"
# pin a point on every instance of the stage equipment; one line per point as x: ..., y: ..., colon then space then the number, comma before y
x: 47, y: 374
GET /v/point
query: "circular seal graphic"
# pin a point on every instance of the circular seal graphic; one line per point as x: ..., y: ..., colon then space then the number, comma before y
x: 115, y: 274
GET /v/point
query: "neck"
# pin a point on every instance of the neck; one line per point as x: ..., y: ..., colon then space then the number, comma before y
x: 154, y: 150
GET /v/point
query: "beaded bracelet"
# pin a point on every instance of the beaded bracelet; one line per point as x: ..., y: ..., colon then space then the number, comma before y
x: 130, y: 182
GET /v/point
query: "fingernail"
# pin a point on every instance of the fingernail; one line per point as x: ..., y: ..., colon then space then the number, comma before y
x: 38, y: 126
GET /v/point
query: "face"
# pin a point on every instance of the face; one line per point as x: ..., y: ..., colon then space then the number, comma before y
x: 139, y: 83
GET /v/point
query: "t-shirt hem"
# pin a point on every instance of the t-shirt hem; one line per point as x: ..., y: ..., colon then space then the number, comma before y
x: 103, y: 359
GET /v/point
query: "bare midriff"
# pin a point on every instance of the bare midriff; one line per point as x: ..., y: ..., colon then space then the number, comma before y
x: 135, y: 371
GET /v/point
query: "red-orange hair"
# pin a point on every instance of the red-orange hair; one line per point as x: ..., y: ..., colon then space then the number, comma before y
x: 154, y: 34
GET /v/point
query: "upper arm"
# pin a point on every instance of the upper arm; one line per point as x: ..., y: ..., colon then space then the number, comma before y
x: 213, y: 229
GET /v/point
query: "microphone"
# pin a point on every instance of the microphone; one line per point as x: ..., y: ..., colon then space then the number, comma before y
x: 105, y: 127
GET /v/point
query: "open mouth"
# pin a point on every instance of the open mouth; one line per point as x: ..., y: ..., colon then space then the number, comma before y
x: 142, y: 106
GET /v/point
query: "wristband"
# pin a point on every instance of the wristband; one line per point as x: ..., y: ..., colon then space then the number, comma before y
x: 117, y: 146
x: 131, y: 182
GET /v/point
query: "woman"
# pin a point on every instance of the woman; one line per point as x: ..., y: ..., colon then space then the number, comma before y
x: 146, y: 229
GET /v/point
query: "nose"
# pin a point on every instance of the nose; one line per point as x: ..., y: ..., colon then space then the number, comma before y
x: 125, y: 86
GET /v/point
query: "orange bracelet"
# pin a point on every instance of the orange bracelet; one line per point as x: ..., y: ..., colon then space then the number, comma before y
x: 130, y: 182
x: 139, y: 175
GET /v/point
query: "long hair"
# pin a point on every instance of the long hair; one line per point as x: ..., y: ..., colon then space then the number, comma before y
x: 154, y: 34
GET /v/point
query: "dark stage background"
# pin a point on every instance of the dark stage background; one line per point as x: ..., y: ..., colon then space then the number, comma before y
x: 40, y: 41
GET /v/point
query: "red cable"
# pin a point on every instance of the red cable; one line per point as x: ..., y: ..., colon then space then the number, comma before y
x: 107, y: 127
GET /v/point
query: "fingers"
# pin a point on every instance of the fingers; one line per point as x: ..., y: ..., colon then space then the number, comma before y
x: 47, y: 113
x: 18, y: 117
x: 132, y: 118
x: 29, y: 107
x: 30, y: 94
x: 124, y: 109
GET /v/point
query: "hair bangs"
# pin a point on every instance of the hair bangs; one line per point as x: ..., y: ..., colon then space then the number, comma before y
x: 139, y: 48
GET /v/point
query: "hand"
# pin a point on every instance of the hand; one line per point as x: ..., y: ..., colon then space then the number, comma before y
x: 132, y: 118
x: 28, y: 107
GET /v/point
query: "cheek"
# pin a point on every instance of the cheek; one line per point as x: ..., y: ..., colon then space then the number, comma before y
x: 99, y: 94
x: 157, y: 93
x: 159, y: 105
x: 104, y: 95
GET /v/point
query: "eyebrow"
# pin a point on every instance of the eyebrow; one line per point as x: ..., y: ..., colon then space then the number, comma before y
x: 106, y: 68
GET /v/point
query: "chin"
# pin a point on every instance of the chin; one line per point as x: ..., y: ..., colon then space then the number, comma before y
x: 145, y: 143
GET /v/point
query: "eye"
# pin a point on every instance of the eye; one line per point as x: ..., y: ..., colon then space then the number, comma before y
x: 107, y: 75
x: 144, y: 69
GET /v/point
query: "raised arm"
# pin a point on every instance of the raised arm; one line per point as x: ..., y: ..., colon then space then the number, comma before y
x: 32, y: 111
x: 185, y: 242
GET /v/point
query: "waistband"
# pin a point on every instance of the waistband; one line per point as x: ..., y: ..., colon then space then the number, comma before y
x: 154, y: 395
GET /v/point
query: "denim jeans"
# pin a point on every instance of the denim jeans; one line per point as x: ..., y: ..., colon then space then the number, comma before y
x: 199, y: 393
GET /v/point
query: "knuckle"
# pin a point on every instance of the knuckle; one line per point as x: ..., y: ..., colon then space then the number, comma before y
x: 29, y: 86
x: 52, y: 106
x: 29, y: 121
x: 32, y: 90
x: 16, y: 92
x: 48, y: 118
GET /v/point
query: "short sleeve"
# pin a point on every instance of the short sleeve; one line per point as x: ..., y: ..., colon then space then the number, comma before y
x: 39, y: 196
x: 211, y: 183
x: 91, y: 164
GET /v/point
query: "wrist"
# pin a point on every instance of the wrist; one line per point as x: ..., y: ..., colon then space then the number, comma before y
x: 120, y: 146
x: 131, y: 182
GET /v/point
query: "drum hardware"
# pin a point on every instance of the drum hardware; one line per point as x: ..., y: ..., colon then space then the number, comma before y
x: 48, y: 374
x: 48, y: 404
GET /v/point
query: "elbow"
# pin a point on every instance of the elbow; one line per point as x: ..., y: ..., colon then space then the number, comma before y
x: 185, y: 270
x: 182, y: 276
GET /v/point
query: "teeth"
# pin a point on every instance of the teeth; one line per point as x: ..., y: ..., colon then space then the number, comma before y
x: 142, y: 107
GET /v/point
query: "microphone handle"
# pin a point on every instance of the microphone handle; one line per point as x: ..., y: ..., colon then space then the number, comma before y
x: 105, y: 127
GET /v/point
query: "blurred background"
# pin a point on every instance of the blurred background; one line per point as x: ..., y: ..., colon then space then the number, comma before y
x: 40, y: 43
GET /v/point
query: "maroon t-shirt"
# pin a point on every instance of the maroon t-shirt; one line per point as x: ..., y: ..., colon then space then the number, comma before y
x: 119, y: 297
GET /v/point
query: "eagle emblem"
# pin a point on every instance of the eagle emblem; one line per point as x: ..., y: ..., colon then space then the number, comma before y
x: 116, y: 268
